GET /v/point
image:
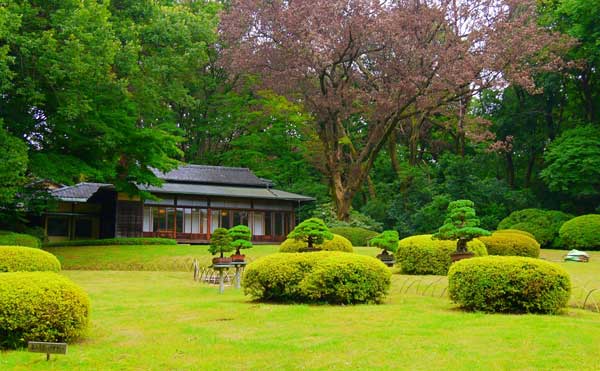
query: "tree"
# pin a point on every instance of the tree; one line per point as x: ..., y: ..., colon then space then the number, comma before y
x: 241, y: 237
x: 220, y: 242
x: 362, y: 67
x: 313, y: 231
x: 461, y: 224
x: 13, y: 163
x: 386, y: 240
x: 573, y: 163
x: 97, y: 90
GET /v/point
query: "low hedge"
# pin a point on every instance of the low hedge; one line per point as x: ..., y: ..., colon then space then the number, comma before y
x: 325, y: 276
x: 356, y: 235
x: 338, y: 243
x: 41, y: 306
x: 18, y: 239
x: 509, y: 285
x: 113, y: 241
x: 511, y: 244
x: 582, y: 232
x: 421, y: 254
x: 20, y: 259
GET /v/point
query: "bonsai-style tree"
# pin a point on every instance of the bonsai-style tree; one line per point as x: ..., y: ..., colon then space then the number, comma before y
x: 461, y: 224
x: 220, y: 242
x: 241, y: 236
x: 387, y: 240
x: 313, y: 231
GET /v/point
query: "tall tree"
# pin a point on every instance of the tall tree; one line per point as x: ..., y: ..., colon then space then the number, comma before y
x: 361, y: 67
x: 97, y: 90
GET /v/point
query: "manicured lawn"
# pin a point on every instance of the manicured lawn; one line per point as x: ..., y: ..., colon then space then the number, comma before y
x: 152, y: 257
x: 163, y: 320
x: 166, y: 321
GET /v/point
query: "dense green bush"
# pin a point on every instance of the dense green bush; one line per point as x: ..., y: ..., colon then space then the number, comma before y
x: 511, y: 244
x: 325, y: 276
x: 40, y: 306
x: 582, y: 232
x: 114, y: 241
x: 422, y: 254
x: 356, y: 235
x: 18, y: 239
x: 543, y: 224
x: 517, y: 231
x: 338, y: 243
x: 509, y: 285
x: 21, y: 259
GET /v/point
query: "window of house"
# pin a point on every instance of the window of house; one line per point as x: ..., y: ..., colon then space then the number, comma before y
x: 83, y: 228
x: 58, y: 226
x: 278, y: 224
x: 240, y: 218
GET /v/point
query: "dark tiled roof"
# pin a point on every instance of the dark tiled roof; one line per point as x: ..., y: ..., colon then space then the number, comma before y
x: 263, y: 193
x: 212, y: 175
x: 79, y: 192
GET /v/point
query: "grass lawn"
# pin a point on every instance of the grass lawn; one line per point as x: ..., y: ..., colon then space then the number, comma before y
x: 163, y: 320
x: 166, y: 321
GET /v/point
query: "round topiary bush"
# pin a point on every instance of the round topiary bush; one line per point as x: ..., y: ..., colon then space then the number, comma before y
x: 19, y: 259
x: 511, y: 244
x: 325, y: 276
x: 509, y: 284
x: 517, y: 231
x: 543, y: 224
x: 18, y: 239
x: 582, y: 232
x: 40, y: 306
x: 337, y: 243
x: 356, y: 235
x: 422, y: 254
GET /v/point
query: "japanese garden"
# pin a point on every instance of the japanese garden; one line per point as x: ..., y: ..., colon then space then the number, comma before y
x: 286, y: 185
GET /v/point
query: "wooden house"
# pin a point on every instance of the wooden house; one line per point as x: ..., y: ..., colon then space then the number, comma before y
x: 192, y: 202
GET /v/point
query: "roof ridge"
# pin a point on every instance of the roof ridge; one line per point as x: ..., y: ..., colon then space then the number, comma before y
x: 215, y: 167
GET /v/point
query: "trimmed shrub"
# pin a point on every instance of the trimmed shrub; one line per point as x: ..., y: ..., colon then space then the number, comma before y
x: 517, y: 231
x: 18, y: 239
x: 21, y: 259
x: 356, y: 235
x: 114, y: 241
x: 543, y: 224
x: 582, y: 232
x: 338, y: 243
x: 511, y: 244
x: 422, y: 254
x: 325, y: 276
x: 41, y: 306
x: 509, y: 285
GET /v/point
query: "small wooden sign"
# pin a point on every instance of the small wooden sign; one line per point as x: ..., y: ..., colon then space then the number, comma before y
x: 48, y: 348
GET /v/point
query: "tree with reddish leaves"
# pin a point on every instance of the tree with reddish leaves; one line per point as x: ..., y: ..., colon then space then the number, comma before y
x: 361, y: 67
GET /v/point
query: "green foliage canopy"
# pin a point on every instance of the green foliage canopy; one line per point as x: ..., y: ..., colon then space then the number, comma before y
x: 386, y: 240
x: 313, y: 231
x: 241, y: 237
x: 220, y: 242
x: 461, y: 223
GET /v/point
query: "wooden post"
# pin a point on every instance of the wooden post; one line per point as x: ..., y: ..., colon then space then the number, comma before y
x: 208, y: 222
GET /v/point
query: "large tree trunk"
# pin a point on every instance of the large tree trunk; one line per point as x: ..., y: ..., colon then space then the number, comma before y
x: 510, y: 170
x: 529, y: 172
